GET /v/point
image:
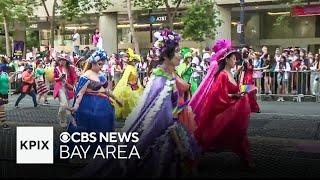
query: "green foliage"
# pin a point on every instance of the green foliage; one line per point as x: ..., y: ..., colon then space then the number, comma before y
x: 148, y: 4
x: 284, y: 20
x: 201, y: 21
x: 17, y: 10
x: 32, y: 39
x: 72, y: 9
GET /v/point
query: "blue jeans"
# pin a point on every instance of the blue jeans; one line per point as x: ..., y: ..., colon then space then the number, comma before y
x: 76, y: 50
x: 22, y: 95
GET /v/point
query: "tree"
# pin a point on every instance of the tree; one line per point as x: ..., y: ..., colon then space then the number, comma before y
x: 171, y: 6
x: 201, y: 21
x: 135, y: 42
x: 32, y: 39
x: 283, y: 20
x: 15, y: 11
x: 72, y: 9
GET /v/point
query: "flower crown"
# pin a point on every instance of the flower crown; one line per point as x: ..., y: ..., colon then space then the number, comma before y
x: 165, y: 39
x: 98, y: 55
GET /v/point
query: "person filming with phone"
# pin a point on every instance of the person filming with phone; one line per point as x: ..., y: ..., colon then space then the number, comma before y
x: 65, y: 78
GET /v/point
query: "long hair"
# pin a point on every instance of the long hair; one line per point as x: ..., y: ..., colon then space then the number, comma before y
x: 67, y: 64
x: 245, y: 65
x: 87, y: 66
x: 221, y: 65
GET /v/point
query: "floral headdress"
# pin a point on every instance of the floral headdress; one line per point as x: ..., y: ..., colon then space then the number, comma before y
x: 165, y: 39
x: 222, y: 49
x: 133, y: 56
x: 98, y: 55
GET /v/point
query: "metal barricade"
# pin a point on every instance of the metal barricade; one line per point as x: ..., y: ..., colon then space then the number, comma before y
x: 289, y: 82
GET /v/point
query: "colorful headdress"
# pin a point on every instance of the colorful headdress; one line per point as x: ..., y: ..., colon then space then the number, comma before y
x: 98, y: 55
x: 165, y: 39
x: 222, y: 49
x: 65, y: 57
x: 133, y: 56
x: 184, y: 51
x: 187, y: 55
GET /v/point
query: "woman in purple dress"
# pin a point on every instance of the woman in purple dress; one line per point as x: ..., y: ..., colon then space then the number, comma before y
x: 165, y: 145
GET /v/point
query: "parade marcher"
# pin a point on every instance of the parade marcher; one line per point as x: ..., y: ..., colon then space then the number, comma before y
x: 129, y: 87
x: 65, y: 78
x: 224, y: 119
x: 28, y: 81
x: 195, y: 78
x: 184, y: 69
x: 93, y: 109
x: 164, y: 143
x: 247, y: 79
x: 42, y: 89
x: 196, y: 102
x: 4, y: 91
x: 118, y: 70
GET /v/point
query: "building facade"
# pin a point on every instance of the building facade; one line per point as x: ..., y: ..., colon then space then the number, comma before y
x: 113, y: 24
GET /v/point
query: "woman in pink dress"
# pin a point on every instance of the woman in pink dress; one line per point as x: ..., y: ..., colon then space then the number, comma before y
x: 95, y: 38
x: 224, y: 119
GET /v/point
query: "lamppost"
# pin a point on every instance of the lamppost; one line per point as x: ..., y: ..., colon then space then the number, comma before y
x: 242, y: 37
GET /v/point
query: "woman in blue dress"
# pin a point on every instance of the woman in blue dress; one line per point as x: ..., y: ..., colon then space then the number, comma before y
x: 93, y: 110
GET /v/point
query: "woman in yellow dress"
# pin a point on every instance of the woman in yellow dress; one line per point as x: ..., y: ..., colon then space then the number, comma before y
x: 128, y: 88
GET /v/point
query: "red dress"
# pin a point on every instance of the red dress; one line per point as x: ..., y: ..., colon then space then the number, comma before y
x: 248, y: 79
x: 224, y: 120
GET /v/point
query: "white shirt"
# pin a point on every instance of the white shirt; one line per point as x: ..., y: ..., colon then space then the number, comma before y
x: 196, y: 71
x: 29, y: 56
x: 286, y: 70
x: 76, y: 39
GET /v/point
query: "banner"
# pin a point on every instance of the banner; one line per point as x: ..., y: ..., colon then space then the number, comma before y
x: 307, y: 10
x: 18, y: 49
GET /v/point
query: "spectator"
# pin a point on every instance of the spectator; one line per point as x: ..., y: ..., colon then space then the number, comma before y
x: 267, y: 65
x: 142, y: 69
x: 277, y: 55
x: 315, y: 75
x: 257, y: 70
x: 76, y: 42
x: 283, y: 68
x: 95, y: 37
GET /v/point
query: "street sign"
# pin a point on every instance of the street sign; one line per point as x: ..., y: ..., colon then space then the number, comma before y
x: 239, y: 28
x: 153, y: 19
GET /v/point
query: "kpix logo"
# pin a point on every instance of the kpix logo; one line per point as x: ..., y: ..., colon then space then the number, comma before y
x: 28, y: 145
x: 34, y: 145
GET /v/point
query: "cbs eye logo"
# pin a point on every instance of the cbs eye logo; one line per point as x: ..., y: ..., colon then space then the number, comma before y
x: 34, y: 145
x: 65, y: 137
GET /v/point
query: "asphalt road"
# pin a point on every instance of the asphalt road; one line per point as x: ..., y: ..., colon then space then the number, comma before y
x: 284, y: 142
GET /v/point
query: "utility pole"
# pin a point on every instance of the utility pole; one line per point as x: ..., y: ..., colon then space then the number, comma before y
x: 242, y: 36
x: 150, y: 22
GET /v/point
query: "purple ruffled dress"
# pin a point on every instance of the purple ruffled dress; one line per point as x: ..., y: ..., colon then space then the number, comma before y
x: 154, y: 120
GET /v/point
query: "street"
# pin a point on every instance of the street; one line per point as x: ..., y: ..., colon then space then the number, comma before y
x: 284, y: 142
